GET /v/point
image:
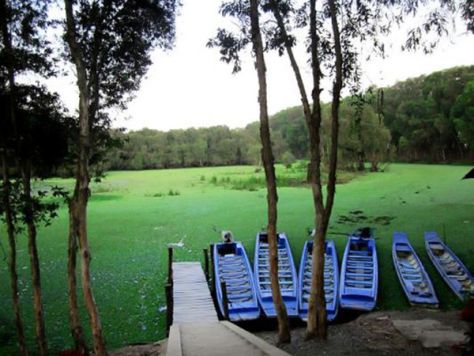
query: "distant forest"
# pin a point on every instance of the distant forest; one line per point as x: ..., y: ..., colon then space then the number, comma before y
x: 428, y: 118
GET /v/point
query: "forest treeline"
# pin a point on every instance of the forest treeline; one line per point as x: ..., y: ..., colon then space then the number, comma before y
x: 428, y: 118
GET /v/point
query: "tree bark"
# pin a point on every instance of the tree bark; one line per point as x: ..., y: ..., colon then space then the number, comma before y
x: 34, y: 260
x: 336, y: 100
x: 12, y: 257
x: 76, y: 328
x: 284, y: 335
x: 9, y: 218
x: 317, y: 325
x: 81, y: 190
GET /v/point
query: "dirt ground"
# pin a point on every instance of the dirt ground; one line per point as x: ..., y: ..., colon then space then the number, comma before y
x: 375, y: 334
x: 366, y: 334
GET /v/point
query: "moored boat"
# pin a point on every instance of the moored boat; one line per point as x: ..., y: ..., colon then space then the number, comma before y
x: 232, y: 266
x: 454, y: 272
x: 412, y: 275
x: 286, y: 275
x: 331, y: 280
x: 359, y: 272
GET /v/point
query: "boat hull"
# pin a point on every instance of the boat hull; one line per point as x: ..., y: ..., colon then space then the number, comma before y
x: 359, y: 275
x: 331, y: 280
x: 449, y: 266
x: 412, y: 275
x: 286, y: 275
x: 232, y: 266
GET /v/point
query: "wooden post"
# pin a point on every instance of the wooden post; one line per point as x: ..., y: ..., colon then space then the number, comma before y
x: 225, y: 300
x: 211, y: 249
x: 206, y: 264
x: 170, y: 265
x: 169, y: 307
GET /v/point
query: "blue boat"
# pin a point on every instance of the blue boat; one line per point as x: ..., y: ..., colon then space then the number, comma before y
x: 359, y: 272
x: 414, y: 280
x: 331, y: 280
x: 454, y: 272
x: 231, y: 265
x: 286, y: 275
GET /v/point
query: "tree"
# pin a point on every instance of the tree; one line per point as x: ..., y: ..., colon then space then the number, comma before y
x: 247, y: 13
x: 268, y: 164
x: 316, y: 325
x: 420, y: 115
x: 109, y: 43
x: 463, y: 113
x: 336, y: 30
x: 24, y: 49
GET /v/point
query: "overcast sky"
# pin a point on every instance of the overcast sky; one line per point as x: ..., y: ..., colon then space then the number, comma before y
x: 190, y: 87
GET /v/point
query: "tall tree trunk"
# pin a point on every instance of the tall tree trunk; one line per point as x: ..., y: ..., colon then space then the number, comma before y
x: 34, y: 260
x: 12, y: 257
x: 76, y: 328
x: 336, y: 100
x: 6, y: 39
x: 81, y: 191
x: 284, y: 335
x: 316, y: 325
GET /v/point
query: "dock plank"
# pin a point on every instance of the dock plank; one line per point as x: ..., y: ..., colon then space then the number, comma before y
x: 191, y: 295
x: 196, y: 330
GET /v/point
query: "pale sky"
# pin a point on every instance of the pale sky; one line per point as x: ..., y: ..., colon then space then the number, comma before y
x: 190, y: 87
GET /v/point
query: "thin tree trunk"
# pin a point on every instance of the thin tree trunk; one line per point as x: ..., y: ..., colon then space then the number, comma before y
x: 76, y: 328
x: 81, y: 191
x: 34, y: 260
x: 316, y: 326
x: 6, y: 181
x: 12, y: 257
x: 284, y: 335
x: 336, y: 100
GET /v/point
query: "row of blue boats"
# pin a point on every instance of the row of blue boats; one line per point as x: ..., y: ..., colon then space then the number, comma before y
x: 354, y: 286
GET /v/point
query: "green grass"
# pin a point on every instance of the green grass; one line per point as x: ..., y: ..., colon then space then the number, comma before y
x: 134, y: 215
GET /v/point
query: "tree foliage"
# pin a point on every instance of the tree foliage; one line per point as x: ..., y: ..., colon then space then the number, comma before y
x: 429, y: 118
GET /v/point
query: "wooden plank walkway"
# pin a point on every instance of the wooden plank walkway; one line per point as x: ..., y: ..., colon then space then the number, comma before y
x: 191, y: 295
x: 217, y: 339
x: 196, y: 330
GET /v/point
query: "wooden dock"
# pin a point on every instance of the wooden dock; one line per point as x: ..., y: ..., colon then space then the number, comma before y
x: 217, y: 339
x: 191, y: 295
x: 196, y: 329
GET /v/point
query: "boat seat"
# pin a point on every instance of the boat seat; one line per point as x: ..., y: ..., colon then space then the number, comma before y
x: 235, y: 303
x: 232, y: 264
x: 233, y: 270
x: 233, y: 298
x: 359, y: 263
x: 358, y: 285
x: 237, y: 275
x: 237, y: 281
x: 359, y: 252
x: 365, y: 283
x: 232, y: 288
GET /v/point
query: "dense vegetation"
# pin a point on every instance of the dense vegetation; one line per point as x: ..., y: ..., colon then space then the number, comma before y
x: 431, y: 118
x: 428, y: 118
